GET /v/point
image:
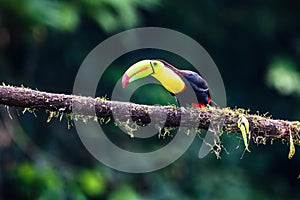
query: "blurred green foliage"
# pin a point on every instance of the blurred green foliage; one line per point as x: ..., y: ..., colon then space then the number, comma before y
x: 92, y: 182
x: 284, y: 76
x: 255, y: 44
x: 111, y: 15
x: 123, y: 192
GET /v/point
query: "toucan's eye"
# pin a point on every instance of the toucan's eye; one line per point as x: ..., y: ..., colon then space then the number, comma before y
x: 155, y: 63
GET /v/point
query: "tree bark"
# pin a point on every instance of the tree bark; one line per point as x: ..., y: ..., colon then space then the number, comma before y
x: 262, y: 128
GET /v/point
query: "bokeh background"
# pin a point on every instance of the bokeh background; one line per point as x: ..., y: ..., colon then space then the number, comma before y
x: 255, y: 44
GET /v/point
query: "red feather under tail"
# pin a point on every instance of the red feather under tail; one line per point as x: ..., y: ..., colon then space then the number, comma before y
x: 201, y: 105
x: 198, y: 105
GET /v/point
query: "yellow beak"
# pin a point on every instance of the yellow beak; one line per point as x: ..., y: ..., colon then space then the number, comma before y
x: 139, y: 70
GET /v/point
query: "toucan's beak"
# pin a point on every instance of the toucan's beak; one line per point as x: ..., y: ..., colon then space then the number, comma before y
x: 139, y: 70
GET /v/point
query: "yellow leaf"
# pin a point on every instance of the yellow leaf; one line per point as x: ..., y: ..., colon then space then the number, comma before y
x: 292, y: 147
x: 243, y: 125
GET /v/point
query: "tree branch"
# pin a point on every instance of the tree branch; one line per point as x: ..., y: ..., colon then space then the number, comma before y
x: 262, y: 128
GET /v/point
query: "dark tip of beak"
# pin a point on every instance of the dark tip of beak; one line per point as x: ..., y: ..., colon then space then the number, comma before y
x: 125, y: 80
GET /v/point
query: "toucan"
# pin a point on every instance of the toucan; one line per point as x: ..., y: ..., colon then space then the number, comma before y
x: 172, y: 79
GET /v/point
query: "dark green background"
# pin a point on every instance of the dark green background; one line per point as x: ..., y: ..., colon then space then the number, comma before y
x: 255, y: 44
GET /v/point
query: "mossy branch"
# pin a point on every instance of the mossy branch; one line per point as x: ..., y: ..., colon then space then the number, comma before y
x: 262, y: 128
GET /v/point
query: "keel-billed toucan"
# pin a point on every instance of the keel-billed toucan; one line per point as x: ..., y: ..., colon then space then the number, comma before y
x: 171, y: 78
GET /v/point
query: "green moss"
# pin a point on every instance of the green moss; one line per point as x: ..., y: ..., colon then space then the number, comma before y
x: 165, y: 131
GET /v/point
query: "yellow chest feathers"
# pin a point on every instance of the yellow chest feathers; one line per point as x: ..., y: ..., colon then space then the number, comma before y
x: 170, y: 80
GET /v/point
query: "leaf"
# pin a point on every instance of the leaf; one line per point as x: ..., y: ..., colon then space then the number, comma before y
x: 292, y: 147
x: 243, y: 125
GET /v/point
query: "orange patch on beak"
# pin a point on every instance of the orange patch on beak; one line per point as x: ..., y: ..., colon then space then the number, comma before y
x: 126, y: 78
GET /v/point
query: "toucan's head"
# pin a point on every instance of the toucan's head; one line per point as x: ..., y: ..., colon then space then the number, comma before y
x: 142, y: 69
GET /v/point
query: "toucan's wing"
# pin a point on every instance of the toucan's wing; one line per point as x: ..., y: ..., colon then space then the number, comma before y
x: 195, y: 80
